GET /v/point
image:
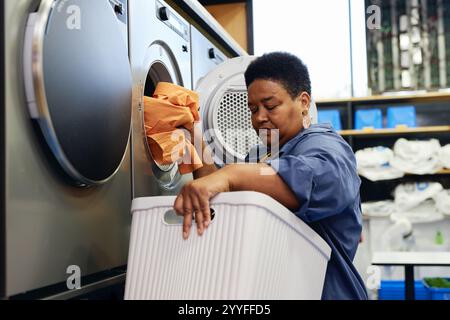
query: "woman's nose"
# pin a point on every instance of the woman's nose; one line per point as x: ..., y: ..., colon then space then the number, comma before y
x: 261, y: 115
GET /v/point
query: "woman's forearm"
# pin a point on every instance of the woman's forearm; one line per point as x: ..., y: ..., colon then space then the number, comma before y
x: 206, y: 170
x: 260, y: 178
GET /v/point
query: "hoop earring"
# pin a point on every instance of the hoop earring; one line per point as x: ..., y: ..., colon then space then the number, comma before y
x: 306, y: 121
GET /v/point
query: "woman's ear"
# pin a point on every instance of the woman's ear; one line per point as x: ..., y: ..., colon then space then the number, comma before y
x: 305, y: 102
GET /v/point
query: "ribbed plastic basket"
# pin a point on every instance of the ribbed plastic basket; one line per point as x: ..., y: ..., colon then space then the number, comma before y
x: 254, y: 248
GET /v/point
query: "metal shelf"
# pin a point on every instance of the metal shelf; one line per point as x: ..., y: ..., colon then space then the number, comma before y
x: 443, y: 171
x: 440, y: 172
x: 396, y: 131
x: 417, y: 97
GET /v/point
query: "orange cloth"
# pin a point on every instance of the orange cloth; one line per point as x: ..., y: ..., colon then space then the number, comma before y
x: 172, y: 107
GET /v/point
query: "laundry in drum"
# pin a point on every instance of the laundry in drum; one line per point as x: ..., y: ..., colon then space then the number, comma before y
x: 171, y: 109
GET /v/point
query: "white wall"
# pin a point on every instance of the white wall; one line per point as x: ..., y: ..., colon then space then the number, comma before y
x: 318, y: 32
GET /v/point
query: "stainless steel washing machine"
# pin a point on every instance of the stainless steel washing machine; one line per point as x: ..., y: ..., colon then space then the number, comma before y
x: 205, y: 56
x: 159, y: 51
x: 66, y: 187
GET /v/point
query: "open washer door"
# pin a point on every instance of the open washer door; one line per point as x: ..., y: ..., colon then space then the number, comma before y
x: 78, y: 84
x: 162, y: 67
x: 224, y: 111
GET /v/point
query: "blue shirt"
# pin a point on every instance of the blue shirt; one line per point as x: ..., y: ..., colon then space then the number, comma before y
x: 320, y: 168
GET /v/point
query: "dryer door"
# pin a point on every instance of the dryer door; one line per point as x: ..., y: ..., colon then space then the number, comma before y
x: 78, y: 84
x: 224, y: 111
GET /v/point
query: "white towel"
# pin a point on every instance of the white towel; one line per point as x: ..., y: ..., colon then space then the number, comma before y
x: 380, y: 173
x: 417, y: 157
x: 373, y: 157
x: 425, y: 212
x: 410, y: 195
x: 444, y: 156
x: 378, y: 208
x: 373, y: 164
x: 443, y: 201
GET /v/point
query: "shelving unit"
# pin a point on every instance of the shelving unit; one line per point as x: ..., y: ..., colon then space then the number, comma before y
x: 405, y: 97
x: 396, y: 131
x: 433, y: 121
x: 443, y: 171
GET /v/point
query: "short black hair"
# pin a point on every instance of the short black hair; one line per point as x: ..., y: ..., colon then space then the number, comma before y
x: 281, y: 67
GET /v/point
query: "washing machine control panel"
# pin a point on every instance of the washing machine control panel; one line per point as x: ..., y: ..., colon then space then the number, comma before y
x: 171, y: 19
x: 215, y: 55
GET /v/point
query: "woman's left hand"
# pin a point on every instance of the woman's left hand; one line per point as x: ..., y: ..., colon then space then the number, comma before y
x: 194, y: 199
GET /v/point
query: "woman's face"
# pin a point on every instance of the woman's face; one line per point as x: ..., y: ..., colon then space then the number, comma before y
x: 273, y: 108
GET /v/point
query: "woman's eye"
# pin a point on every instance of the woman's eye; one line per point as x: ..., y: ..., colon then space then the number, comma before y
x: 271, y: 107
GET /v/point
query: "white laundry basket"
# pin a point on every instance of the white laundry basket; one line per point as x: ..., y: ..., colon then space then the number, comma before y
x: 254, y: 248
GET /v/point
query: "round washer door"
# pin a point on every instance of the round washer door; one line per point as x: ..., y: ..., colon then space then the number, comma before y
x: 224, y: 111
x: 163, y: 67
x: 78, y: 85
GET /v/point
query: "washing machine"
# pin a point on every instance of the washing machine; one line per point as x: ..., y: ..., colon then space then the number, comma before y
x: 66, y: 177
x: 205, y: 56
x: 159, y: 51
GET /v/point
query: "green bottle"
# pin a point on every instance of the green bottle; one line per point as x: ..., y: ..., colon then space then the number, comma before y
x: 439, y: 238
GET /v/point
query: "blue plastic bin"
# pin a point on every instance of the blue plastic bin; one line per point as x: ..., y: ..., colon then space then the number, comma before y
x: 395, y: 290
x: 401, y: 116
x: 330, y: 116
x: 437, y: 293
x: 370, y: 118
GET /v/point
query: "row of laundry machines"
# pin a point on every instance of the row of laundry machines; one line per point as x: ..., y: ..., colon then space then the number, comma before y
x: 73, y: 145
